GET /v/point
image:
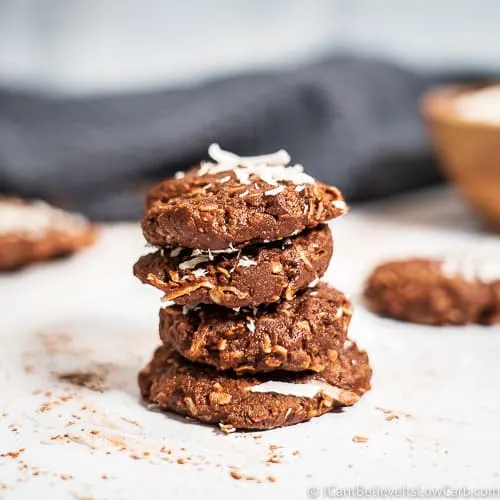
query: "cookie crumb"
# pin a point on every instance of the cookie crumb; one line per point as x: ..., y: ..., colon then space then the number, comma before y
x: 227, y: 428
x: 360, y: 439
x: 13, y: 454
x: 93, y: 380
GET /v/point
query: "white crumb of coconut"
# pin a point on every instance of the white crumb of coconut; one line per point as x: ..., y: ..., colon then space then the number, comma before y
x: 313, y: 294
x: 192, y: 263
x: 175, y: 252
x: 225, y: 179
x: 167, y: 303
x: 288, y: 413
x: 199, y: 273
x: 275, y: 191
x: 242, y: 195
x: 348, y: 344
x: 339, y: 204
x: 314, y: 282
x: 229, y: 249
x: 180, y: 175
x: 306, y: 208
x: 236, y: 309
x: 251, y: 325
x: 339, y: 313
x: 196, y: 251
x: 300, y: 188
x: 207, y: 186
x: 296, y: 232
x: 246, y: 262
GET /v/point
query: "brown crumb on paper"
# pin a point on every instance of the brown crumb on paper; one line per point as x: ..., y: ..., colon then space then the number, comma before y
x: 360, y: 439
x: 93, y: 380
x: 13, y: 454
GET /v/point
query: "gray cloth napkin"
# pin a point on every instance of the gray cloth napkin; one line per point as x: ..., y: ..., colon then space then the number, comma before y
x: 352, y: 122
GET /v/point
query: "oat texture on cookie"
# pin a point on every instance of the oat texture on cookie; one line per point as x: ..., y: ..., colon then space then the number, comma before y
x: 251, y: 339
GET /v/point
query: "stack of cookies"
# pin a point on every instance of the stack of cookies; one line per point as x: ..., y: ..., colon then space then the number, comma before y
x: 250, y: 338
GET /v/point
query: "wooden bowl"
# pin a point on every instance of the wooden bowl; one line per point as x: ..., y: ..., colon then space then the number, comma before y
x: 469, y: 151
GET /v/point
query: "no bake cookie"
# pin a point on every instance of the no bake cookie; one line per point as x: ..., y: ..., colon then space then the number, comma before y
x: 34, y: 231
x: 247, y: 278
x: 264, y: 402
x: 432, y: 292
x: 236, y: 201
x: 304, y: 333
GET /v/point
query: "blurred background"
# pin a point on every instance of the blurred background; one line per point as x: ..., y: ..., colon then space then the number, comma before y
x: 101, y: 98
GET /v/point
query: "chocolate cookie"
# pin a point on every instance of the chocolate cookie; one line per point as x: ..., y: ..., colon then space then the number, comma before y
x: 252, y: 276
x: 492, y: 315
x: 428, y: 291
x: 235, y: 202
x: 263, y: 402
x: 35, y: 231
x: 304, y: 333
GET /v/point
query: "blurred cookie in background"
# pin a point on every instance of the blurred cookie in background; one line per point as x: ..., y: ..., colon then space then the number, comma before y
x: 33, y: 231
x: 435, y: 292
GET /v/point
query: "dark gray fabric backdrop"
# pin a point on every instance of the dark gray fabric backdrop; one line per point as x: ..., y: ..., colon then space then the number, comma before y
x: 352, y: 122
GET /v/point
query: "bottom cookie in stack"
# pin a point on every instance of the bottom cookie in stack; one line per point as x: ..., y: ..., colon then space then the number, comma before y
x: 277, y: 365
x: 253, y: 402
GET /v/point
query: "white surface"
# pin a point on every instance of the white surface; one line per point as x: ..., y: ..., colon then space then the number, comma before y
x: 76, y: 314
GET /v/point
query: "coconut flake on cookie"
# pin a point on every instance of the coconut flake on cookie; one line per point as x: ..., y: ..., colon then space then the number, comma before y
x: 271, y: 168
x: 306, y: 390
x: 36, y: 218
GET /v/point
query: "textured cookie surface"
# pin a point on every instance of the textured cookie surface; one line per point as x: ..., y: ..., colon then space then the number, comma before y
x: 235, y: 202
x: 236, y: 402
x: 35, y: 231
x: 305, y: 333
x: 247, y: 278
x: 428, y: 291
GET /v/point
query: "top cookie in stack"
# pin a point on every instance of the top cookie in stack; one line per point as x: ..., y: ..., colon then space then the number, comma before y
x: 238, y: 231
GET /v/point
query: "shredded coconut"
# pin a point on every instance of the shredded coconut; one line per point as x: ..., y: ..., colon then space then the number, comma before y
x: 244, y: 193
x: 192, y: 263
x: 251, y: 325
x: 199, y: 273
x: 167, y: 303
x: 275, y: 191
x: 189, y: 308
x: 180, y: 175
x: 300, y: 188
x: 340, y: 204
x: 314, y: 282
x: 304, y: 390
x: 246, y: 262
x: 175, y: 252
x: 271, y: 168
x: 36, y: 218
